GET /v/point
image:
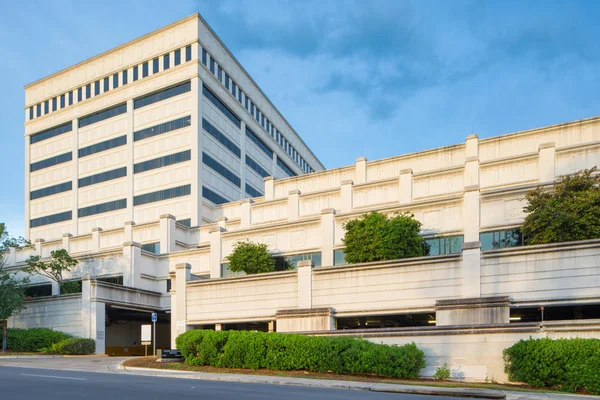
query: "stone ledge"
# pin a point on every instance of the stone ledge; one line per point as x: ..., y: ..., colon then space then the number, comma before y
x: 479, y: 302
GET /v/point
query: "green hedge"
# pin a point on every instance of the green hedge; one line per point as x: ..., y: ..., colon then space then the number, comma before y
x: 74, y: 346
x: 566, y: 364
x: 33, y: 340
x: 285, y: 352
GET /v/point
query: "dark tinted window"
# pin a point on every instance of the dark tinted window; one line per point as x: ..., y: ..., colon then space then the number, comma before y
x: 188, y: 53
x: 38, y: 110
x: 256, y: 167
x: 102, y: 208
x: 49, y: 133
x: 212, y: 196
x: 70, y: 98
x: 135, y: 73
x: 50, y: 219
x: 155, y: 66
x: 49, y: 191
x: 253, y: 192
x: 96, y: 88
x: 88, y: 91
x: 220, y: 169
x: 106, y: 87
x: 54, y: 104
x: 46, y: 107
x: 166, y: 61
x: 144, y: 69
x: 224, y: 140
x: 177, y: 57
x: 102, y: 146
x: 162, y: 195
x: 162, y: 95
x: 79, y: 94
x: 62, y: 101
x: 30, y: 113
x: 38, y: 291
x: 444, y: 245
x: 49, y: 162
x: 102, y: 115
x: 227, y: 81
x: 285, y: 168
x: 115, y: 81
x: 162, y: 161
x: 153, y: 248
x: 204, y: 57
x: 162, y: 128
x: 124, y: 76
x: 185, y: 222
x: 103, y: 177
x: 501, y: 239
x: 252, y: 136
x: 221, y: 106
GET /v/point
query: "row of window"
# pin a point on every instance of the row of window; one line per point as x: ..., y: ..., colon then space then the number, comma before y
x: 285, y: 168
x: 153, y: 248
x: 250, y: 106
x: 253, y: 192
x: 103, y: 177
x: 49, y: 162
x: 261, y: 145
x: 165, y: 127
x: 221, y: 138
x: 103, y: 146
x: 213, y: 196
x: 221, y: 169
x: 221, y: 106
x: 102, y: 115
x: 85, y: 92
x: 50, y: 133
x: 51, y: 190
x: 256, y: 167
x: 51, y: 219
x: 162, y: 94
x: 102, y: 208
x: 162, y: 161
x: 162, y: 195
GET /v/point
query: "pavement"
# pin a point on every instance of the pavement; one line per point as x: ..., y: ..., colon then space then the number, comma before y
x: 70, y: 370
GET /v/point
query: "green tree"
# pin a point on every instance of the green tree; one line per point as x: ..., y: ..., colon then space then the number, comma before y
x: 570, y: 211
x: 251, y: 258
x: 12, y: 292
x: 60, y: 261
x: 375, y: 237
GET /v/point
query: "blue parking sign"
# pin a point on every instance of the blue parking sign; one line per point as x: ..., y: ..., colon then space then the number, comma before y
x: 154, y: 317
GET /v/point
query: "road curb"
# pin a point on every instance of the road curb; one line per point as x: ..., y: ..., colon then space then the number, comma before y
x: 30, y: 357
x: 324, y: 384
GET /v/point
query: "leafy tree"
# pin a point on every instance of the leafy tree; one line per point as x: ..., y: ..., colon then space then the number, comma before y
x: 12, y: 293
x: 60, y: 261
x: 375, y: 237
x: 570, y: 211
x: 251, y: 258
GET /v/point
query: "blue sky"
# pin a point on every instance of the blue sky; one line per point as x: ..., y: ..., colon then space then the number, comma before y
x: 354, y: 78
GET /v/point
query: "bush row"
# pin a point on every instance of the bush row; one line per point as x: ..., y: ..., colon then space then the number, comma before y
x: 74, y: 346
x: 285, y: 352
x: 33, y: 340
x: 566, y: 364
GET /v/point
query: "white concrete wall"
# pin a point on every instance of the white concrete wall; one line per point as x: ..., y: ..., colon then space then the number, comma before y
x: 58, y: 313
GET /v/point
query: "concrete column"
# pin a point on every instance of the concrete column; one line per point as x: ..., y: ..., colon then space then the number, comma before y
x: 246, y: 213
x: 361, y: 170
x: 327, y: 236
x: 173, y: 277
x: 471, y: 269
x: 471, y: 176
x: 196, y: 151
x: 167, y: 233
x: 293, y: 204
x: 66, y: 241
x: 130, y: 156
x: 92, y: 314
x: 38, y: 246
x: 347, y: 196
x: 243, y: 162
x: 269, y: 188
x: 215, y: 251
x: 132, y: 255
x: 128, y: 230
x: 27, y: 185
x: 474, y: 311
x: 55, y: 288
x: 96, y: 239
x: 222, y: 222
x: 546, y: 171
x: 75, y: 178
x: 182, y: 277
x: 471, y: 211
x: 271, y: 326
x: 218, y: 327
x: 305, y: 284
x: 405, y: 183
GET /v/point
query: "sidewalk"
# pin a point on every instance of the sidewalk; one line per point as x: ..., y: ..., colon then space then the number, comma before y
x: 351, y: 385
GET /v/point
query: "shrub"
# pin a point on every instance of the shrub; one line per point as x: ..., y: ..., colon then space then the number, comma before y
x: 251, y: 258
x: 74, y: 346
x: 566, y: 364
x: 32, y: 340
x: 288, y: 352
x: 442, y: 373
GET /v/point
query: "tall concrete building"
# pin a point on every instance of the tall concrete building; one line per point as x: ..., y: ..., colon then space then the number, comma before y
x: 167, y: 123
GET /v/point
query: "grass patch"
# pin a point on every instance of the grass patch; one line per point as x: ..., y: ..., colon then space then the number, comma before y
x: 18, y: 353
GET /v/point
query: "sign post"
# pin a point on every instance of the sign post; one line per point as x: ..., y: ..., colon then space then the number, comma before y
x: 146, y: 337
x: 154, y: 318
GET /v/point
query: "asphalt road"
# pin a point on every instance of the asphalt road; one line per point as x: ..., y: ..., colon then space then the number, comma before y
x: 19, y: 383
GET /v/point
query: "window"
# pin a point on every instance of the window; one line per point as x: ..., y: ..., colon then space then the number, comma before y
x: 102, y: 146
x: 155, y: 65
x: 145, y: 69
x: 135, y: 73
x: 252, y: 136
x: 115, y: 280
x: 177, y: 57
x: 162, y: 195
x: 253, y: 192
x: 214, y: 132
x: 115, y: 81
x: 168, y: 285
x: 166, y: 62
x: 102, y: 115
x: 124, y: 76
x: 102, y: 208
x: 88, y: 91
x: 62, y: 101
x: 501, y: 239
x: 339, y: 257
x: 240, y: 95
x: 285, y: 168
x: 282, y: 262
x: 96, y: 88
x: 153, y: 248
x: 79, y: 94
x: 103, y: 177
x: 106, y: 87
x: 212, y: 65
x: 227, y: 81
x: 256, y: 167
x: 212, y: 196
x: 38, y: 110
x: 188, y: 53
x: 70, y: 98
x: 30, y: 113
x: 49, y: 162
x: 38, y: 290
x: 233, y: 88
x: 54, y: 104
x: 162, y: 128
x: 50, y: 133
x: 185, y: 222
x: 219, y: 104
x: 50, y: 219
x: 204, y: 56
x: 246, y: 101
x: 219, y: 73
x: 163, y: 94
x: 162, y: 161
x: 444, y: 245
x: 220, y: 169
x: 49, y: 191
x: 46, y: 107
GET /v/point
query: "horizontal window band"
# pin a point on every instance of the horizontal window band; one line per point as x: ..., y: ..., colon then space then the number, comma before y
x: 51, y: 190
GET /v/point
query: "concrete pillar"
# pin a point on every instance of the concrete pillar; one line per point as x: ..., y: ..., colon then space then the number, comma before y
x: 327, y: 236
x: 215, y: 251
x: 96, y: 239
x: 271, y: 326
x: 218, y: 327
x: 405, y: 183
x: 471, y: 211
x: 132, y: 255
x: 167, y: 233
x: 130, y: 158
x: 293, y: 204
x: 269, y: 188
x: 347, y: 195
x: 55, y: 288
x: 66, y: 241
x: 243, y: 158
x: 546, y: 171
x: 196, y: 150
x: 27, y: 186
x: 128, y: 230
x: 38, y: 246
x: 471, y: 176
x: 246, y: 213
x: 471, y: 269
x: 222, y: 222
x: 361, y: 170
x: 473, y: 311
x: 173, y: 277
x: 75, y: 178
x: 305, y: 284
x: 92, y: 314
x: 182, y: 277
